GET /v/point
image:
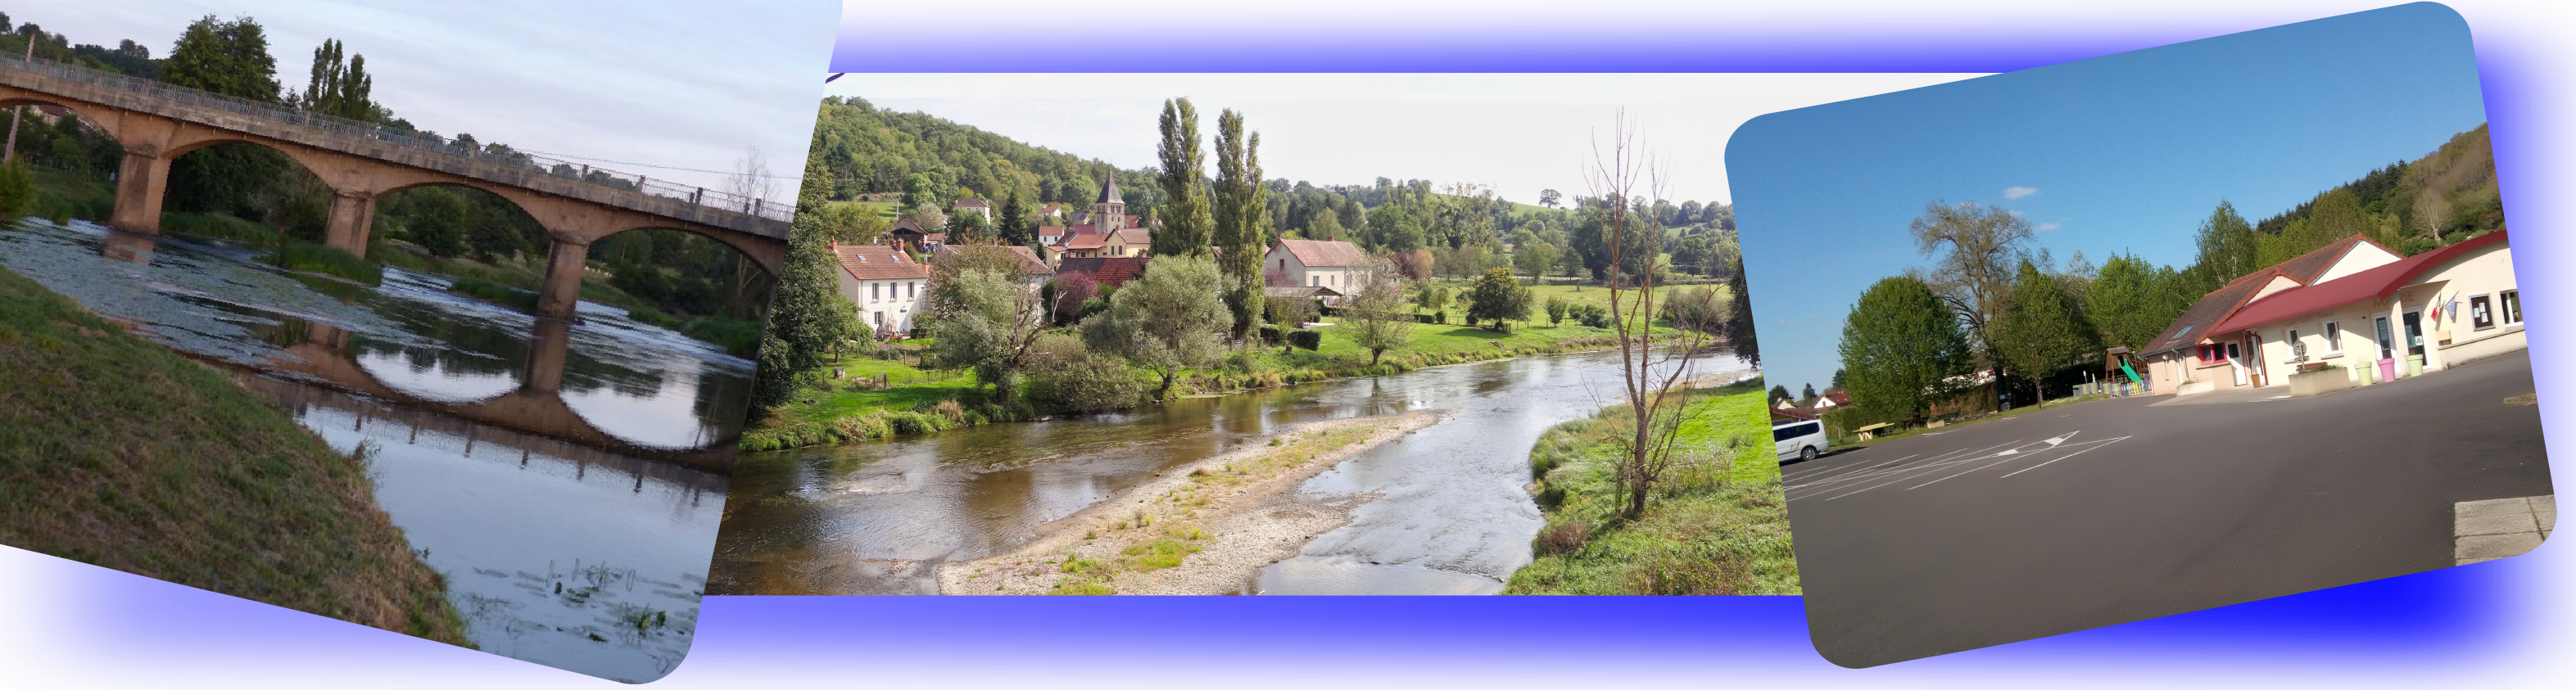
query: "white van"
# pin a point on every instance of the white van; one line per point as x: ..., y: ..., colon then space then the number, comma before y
x: 1801, y: 440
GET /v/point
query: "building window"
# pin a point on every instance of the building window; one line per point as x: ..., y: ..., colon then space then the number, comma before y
x: 2509, y: 305
x: 910, y: 291
x: 2481, y: 316
x: 1312, y: 281
x: 2298, y: 348
x: 2334, y: 339
x: 872, y: 291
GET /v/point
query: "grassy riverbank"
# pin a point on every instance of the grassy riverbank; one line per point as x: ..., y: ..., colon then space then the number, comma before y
x: 116, y: 452
x: 1717, y: 525
x: 918, y: 401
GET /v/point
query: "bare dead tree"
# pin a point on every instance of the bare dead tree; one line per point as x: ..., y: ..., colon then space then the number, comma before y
x: 1649, y: 368
x: 750, y: 180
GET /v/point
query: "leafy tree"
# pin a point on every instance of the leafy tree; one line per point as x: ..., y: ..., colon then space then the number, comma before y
x: 226, y: 57
x: 1535, y: 259
x: 1549, y: 197
x: 2124, y: 304
x: 801, y: 321
x: 1242, y: 219
x: 1810, y: 394
x: 1900, y: 344
x: 1838, y: 379
x: 2042, y: 333
x: 1378, y: 317
x: 2228, y: 245
x: 1168, y: 320
x: 1188, y: 222
x: 1498, y: 296
x: 1780, y: 394
x: 1556, y: 310
x: 966, y: 229
x: 1068, y: 293
x: 981, y: 318
x: 1975, y: 273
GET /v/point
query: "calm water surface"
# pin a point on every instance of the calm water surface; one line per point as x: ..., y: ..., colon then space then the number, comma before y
x: 1450, y: 515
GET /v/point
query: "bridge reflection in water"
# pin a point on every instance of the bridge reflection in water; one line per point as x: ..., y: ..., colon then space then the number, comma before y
x: 535, y: 407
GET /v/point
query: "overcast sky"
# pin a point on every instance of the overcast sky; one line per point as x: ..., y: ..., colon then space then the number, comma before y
x: 1519, y: 133
x: 663, y: 83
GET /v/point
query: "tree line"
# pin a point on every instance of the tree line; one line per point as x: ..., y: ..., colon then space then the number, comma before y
x: 1993, y: 299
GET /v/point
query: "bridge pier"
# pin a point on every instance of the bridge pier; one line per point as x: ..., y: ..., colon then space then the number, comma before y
x: 139, y: 185
x: 546, y: 354
x: 351, y: 213
x: 565, y: 262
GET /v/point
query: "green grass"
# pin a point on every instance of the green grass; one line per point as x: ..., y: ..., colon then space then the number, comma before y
x: 851, y: 408
x: 884, y: 209
x: 326, y: 260
x: 62, y: 195
x: 1717, y: 524
x: 217, y: 226
x: 525, y: 273
x: 739, y: 337
x: 496, y: 293
x: 118, y: 453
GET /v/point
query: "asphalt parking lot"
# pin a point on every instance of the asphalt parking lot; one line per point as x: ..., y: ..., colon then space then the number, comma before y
x: 2126, y: 509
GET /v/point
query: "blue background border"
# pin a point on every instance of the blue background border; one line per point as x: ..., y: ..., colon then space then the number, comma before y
x: 74, y: 623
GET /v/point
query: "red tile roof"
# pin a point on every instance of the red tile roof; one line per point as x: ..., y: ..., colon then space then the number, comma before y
x: 1088, y: 240
x: 1112, y: 271
x: 1135, y: 236
x: 1325, y: 253
x: 2376, y: 283
x: 878, y: 262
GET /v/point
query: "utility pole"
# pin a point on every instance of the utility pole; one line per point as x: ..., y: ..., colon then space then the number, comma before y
x: 11, y: 153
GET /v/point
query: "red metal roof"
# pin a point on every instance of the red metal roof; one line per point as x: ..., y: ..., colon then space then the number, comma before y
x: 2374, y: 284
x: 2196, y: 323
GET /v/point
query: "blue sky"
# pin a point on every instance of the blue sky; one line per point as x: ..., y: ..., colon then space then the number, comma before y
x: 2125, y: 152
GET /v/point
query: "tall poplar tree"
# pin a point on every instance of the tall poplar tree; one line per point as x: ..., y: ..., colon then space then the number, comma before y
x: 1187, y: 220
x: 801, y: 319
x: 1242, y: 219
x: 339, y: 84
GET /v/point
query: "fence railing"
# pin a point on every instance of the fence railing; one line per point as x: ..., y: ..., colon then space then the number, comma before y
x: 500, y: 154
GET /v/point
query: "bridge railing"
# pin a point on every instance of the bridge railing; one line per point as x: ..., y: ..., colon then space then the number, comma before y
x: 276, y: 112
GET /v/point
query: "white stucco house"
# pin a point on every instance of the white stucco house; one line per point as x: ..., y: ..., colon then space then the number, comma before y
x: 1316, y: 263
x: 885, y: 283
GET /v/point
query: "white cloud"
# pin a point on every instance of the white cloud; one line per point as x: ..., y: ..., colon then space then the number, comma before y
x: 2045, y: 227
x: 2019, y: 192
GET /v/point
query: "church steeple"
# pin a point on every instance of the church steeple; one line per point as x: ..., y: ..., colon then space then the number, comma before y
x: 1110, y: 212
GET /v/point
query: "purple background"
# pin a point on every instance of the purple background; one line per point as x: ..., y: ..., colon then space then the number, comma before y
x: 2505, y: 621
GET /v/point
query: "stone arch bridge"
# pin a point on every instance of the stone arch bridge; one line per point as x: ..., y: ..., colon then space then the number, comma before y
x: 576, y: 204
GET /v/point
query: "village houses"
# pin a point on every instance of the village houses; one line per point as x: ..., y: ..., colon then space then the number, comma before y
x: 2353, y: 306
x: 885, y: 283
x: 1314, y: 263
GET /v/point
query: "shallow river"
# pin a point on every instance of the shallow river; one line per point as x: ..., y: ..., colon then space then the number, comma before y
x: 566, y: 481
x: 1450, y: 515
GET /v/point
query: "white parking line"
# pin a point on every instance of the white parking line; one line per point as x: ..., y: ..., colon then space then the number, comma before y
x: 2068, y: 455
x: 1842, y: 482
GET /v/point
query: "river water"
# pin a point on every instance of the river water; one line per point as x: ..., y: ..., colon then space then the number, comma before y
x: 563, y: 502
x: 1449, y: 514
